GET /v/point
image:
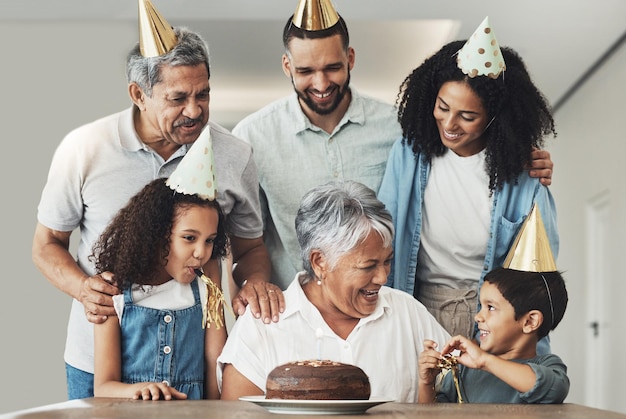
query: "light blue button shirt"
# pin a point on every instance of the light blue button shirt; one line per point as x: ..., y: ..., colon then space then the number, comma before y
x: 402, y: 192
x: 293, y: 155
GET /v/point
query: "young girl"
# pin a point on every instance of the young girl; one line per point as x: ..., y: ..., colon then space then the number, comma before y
x: 157, y: 347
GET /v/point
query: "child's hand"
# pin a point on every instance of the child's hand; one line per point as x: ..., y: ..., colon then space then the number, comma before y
x: 428, y: 360
x: 153, y: 391
x: 470, y: 353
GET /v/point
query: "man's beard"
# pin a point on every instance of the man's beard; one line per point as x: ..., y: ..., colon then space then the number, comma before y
x: 326, y: 110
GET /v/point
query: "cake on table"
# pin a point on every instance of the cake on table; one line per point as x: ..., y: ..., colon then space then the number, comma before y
x: 317, y: 380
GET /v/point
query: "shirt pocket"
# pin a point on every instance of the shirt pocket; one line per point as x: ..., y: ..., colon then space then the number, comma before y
x: 507, y: 230
x: 372, y: 175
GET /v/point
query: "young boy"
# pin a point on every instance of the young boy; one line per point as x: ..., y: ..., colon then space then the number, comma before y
x: 518, y: 309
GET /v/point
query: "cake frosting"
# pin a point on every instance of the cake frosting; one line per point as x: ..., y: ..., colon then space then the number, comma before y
x: 317, y: 380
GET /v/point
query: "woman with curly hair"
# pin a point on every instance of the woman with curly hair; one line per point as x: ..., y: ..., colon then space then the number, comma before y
x: 457, y: 183
x: 158, y: 345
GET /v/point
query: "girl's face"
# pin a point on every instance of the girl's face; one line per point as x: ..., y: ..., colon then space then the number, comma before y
x: 500, y: 333
x: 351, y: 288
x: 461, y: 118
x: 191, y: 242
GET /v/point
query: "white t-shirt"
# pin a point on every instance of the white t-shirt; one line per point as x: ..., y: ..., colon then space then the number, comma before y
x: 385, y: 344
x: 455, y: 221
x: 171, y: 295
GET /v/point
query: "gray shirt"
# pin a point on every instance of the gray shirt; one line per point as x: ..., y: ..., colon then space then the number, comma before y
x: 99, y: 166
x: 293, y: 155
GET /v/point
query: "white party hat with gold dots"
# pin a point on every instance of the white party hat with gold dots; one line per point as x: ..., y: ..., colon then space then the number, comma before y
x: 195, y: 173
x: 481, y: 55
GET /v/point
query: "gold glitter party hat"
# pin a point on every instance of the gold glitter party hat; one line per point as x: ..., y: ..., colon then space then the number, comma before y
x: 531, y: 250
x: 156, y: 36
x: 315, y: 15
x: 481, y: 55
x: 195, y: 173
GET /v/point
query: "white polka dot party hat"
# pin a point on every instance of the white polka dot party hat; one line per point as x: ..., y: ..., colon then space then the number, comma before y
x: 481, y: 55
x: 195, y: 173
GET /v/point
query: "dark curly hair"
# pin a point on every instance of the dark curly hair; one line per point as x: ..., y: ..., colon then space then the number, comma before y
x: 136, y: 242
x: 526, y: 291
x: 522, y: 114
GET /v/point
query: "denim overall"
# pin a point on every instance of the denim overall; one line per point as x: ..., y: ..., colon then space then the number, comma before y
x: 164, y: 345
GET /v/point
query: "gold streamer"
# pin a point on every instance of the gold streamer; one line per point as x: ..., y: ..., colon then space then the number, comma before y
x: 449, y: 363
x: 213, y: 310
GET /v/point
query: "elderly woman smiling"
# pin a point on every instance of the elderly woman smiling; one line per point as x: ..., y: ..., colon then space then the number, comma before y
x: 337, y: 308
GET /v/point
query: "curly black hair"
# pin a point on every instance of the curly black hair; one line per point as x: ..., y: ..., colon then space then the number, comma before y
x: 136, y: 243
x: 522, y: 114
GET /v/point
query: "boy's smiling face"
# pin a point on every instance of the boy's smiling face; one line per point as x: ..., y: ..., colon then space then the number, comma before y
x: 500, y: 333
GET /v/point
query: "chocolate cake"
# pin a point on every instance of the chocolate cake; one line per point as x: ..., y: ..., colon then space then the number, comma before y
x: 317, y: 380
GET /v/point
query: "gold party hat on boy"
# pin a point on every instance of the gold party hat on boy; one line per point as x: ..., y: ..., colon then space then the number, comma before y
x: 531, y: 250
x: 156, y: 36
x: 195, y: 173
x: 315, y: 15
x: 481, y: 55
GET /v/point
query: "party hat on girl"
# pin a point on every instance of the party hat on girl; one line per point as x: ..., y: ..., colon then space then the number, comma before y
x: 195, y: 173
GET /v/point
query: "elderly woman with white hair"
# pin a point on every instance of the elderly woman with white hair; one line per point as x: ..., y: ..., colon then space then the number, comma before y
x: 337, y: 308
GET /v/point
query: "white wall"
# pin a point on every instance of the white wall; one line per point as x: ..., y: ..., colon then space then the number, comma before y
x: 54, y: 78
x: 58, y: 76
x: 589, y: 154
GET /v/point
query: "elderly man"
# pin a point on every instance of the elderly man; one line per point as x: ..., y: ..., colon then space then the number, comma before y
x: 99, y: 166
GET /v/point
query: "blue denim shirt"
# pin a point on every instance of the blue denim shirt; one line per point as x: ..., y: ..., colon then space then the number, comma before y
x: 402, y: 192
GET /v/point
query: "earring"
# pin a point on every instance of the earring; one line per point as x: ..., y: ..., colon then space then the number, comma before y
x: 319, y: 282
